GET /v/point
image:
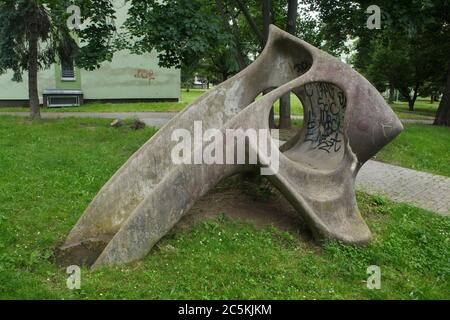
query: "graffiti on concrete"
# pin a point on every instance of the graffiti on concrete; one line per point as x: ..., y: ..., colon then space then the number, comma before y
x: 325, y: 116
x: 145, y: 74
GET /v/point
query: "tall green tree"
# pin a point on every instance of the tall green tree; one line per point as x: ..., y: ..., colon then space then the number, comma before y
x: 221, y: 36
x: 281, y: 13
x: 182, y: 31
x: 443, y: 112
x: 395, y: 61
x: 424, y: 24
x: 34, y: 34
x: 285, y: 101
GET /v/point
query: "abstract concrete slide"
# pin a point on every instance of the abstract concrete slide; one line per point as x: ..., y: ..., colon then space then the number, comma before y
x: 346, y: 121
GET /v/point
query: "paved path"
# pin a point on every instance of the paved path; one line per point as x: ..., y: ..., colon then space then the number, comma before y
x: 420, y: 189
x: 155, y: 119
x: 417, y: 188
x: 421, y: 121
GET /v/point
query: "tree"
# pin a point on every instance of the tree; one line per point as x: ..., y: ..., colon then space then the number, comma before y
x: 34, y: 35
x: 431, y: 89
x: 285, y: 101
x: 417, y: 21
x: 443, y: 112
x: 187, y: 77
x: 222, y: 35
x: 181, y: 31
x: 189, y: 34
x: 394, y: 61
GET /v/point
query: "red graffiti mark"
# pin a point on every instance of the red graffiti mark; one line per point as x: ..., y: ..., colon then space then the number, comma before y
x: 145, y: 74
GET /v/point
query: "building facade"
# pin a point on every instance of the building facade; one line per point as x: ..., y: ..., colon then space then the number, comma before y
x: 127, y: 78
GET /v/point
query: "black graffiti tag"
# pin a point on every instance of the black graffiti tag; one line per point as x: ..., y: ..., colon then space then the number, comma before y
x: 302, y: 67
x: 324, y: 126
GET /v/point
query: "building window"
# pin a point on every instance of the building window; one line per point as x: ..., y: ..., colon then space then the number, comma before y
x: 67, y: 71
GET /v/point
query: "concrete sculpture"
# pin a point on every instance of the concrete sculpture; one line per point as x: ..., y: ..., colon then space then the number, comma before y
x: 346, y: 121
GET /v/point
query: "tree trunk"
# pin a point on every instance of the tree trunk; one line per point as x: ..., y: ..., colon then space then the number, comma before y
x: 285, y: 111
x: 405, y: 93
x: 391, y: 93
x: 266, y: 23
x: 237, y: 47
x: 411, y: 102
x: 443, y: 112
x: 285, y: 101
x: 33, y: 68
x: 224, y: 76
x: 220, y: 7
x: 251, y: 22
x: 291, y: 24
x: 266, y: 19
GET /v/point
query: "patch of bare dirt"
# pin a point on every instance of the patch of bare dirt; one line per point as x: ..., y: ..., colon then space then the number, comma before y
x: 239, y: 202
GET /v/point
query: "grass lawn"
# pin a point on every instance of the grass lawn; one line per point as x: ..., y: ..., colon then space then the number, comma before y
x: 420, y: 147
x: 50, y: 171
x: 186, y: 99
x: 423, y: 109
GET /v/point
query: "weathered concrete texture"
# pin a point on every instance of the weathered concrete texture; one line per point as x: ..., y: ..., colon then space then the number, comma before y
x: 420, y: 189
x: 346, y: 122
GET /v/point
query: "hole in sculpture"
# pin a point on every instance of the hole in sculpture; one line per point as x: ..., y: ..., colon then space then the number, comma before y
x: 295, y: 106
x: 292, y: 61
x: 288, y: 129
x: 320, y: 143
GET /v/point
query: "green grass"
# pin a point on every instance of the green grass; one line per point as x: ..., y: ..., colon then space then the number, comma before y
x: 423, y: 109
x: 296, y: 106
x: 420, y: 147
x: 50, y: 171
x: 186, y: 99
